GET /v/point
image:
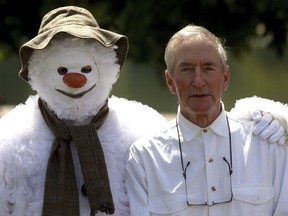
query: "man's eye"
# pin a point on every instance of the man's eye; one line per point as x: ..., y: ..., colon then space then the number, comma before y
x: 209, y: 69
x: 86, y: 69
x: 187, y: 69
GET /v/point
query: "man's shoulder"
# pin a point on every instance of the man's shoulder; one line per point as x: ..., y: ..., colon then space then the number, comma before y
x: 162, y: 137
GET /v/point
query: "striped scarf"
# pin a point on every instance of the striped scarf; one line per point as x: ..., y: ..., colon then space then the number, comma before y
x: 61, y: 192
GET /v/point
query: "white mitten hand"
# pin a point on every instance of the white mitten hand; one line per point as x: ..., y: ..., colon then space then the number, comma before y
x: 268, y: 128
x: 256, y: 114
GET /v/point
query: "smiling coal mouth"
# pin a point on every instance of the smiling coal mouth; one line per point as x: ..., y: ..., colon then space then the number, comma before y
x: 75, y: 96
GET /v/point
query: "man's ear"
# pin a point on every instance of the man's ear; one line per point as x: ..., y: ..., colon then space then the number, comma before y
x: 170, y: 82
x: 226, y: 78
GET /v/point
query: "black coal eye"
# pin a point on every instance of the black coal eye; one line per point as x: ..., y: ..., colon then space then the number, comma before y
x: 86, y: 69
x: 62, y: 70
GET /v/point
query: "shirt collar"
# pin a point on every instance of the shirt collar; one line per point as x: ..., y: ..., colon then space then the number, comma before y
x: 189, y: 130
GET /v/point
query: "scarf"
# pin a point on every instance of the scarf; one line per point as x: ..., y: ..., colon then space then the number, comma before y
x: 61, y: 192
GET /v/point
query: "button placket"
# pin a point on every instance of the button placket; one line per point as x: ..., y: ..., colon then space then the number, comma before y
x: 211, y: 173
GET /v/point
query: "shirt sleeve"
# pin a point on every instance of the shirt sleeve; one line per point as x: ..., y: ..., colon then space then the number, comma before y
x: 136, y: 184
x: 280, y: 160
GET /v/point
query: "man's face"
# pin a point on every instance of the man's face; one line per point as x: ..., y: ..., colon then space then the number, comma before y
x: 198, y: 78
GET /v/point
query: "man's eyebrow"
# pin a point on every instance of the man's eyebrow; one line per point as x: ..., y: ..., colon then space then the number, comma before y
x: 205, y: 63
x: 185, y: 64
x: 210, y: 63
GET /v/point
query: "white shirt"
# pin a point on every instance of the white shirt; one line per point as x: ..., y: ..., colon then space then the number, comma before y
x: 259, y: 181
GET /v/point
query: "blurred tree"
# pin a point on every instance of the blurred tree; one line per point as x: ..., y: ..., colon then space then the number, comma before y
x: 149, y: 24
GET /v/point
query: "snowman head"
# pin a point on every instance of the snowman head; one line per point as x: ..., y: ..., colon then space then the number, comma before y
x: 72, y: 63
x: 74, y: 76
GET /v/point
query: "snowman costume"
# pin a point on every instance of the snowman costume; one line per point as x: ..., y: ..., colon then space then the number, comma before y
x: 72, y: 65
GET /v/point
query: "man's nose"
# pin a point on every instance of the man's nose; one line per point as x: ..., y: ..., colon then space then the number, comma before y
x: 198, y: 80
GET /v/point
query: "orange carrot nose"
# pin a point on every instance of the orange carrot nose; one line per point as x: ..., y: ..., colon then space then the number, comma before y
x: 74, y: 80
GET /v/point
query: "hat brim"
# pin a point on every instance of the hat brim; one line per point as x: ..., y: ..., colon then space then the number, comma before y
x: 105, y: 37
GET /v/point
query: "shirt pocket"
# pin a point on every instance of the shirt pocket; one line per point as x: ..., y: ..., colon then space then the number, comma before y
x: 254, y: 200
x: 170, y: 204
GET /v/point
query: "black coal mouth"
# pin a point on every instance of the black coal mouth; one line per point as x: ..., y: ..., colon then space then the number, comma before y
x: 75, y: 96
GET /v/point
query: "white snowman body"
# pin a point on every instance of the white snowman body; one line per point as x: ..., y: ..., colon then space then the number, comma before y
x: 74, y: 77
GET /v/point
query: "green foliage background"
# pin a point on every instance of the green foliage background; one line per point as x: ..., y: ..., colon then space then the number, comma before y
x: 255, y: 33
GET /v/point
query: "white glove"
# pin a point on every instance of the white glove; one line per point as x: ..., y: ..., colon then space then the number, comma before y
x: 267, y: 127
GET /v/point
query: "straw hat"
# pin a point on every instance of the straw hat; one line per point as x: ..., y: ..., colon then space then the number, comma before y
x: 74, y: 21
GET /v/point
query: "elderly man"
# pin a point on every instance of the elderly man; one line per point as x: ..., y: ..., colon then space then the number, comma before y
x: 207, y: 161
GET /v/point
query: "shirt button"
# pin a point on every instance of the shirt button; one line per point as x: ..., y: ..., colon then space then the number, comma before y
x: 205, y: 130
x: 210, y: 160
x: 213, y: 189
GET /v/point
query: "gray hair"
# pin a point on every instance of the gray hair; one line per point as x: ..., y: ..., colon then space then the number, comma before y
x: 193, y: 31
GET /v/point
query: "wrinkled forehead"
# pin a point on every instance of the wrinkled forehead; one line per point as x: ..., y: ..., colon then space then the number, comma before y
x: 196, y: 49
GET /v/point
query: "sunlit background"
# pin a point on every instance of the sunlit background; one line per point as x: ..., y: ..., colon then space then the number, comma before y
x: 255, y: 33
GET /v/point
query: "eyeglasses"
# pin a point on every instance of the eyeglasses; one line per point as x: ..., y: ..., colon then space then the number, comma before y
x: 188, y: 163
